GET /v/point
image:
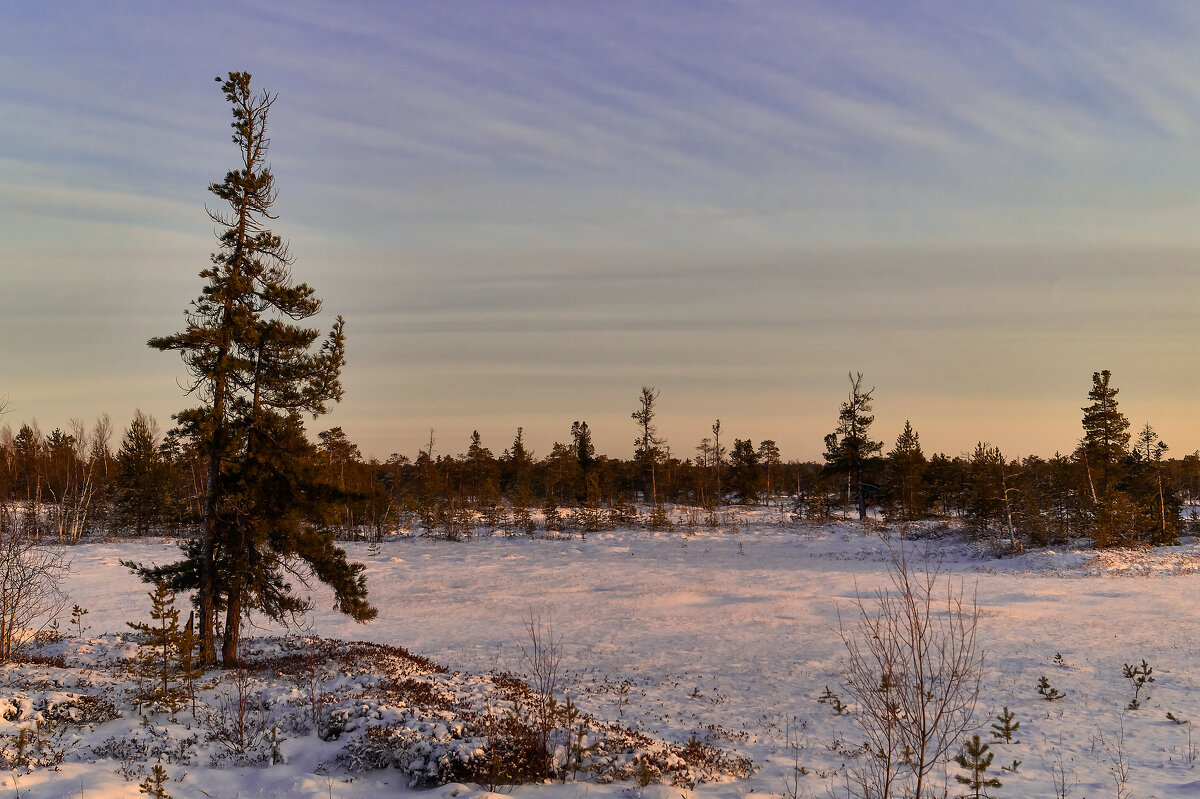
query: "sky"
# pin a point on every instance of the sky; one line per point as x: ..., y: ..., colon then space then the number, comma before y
x: 526, y: 211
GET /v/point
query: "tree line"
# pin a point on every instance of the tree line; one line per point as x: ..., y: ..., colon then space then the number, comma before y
x: 1116, y: 487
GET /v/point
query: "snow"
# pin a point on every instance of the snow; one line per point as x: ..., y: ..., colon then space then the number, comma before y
x: 729, y: 636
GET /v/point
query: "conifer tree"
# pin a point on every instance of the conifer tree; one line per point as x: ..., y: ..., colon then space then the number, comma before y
x: 646, y: 445
x: 1103, y: 452
x: 1105, y: 435
x: 564, y: 478
x: 143, y: 476
x: 337, y: 452
x: 744, y: 472
x: 479, y: 460
x: 985, y: 491
x: 1159, y: 503
x: 158, y: 652
x: 906, y: 466
x: 848, y: 449
x: 769, y: 457
x: 718, y: 456
x: 976, y: 758
x: 581, y: 437
x: 519, y: 461
x: 256, y: 371
x: 1005, y: 726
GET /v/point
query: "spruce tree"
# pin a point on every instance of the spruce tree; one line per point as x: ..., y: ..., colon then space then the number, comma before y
x: 906, y: 466
x: 143, y: 476
x: 519, y: 461
x: 985, y: 489
x: 256, y: 370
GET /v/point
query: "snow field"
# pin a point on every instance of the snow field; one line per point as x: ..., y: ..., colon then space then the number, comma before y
x: 731, y: 637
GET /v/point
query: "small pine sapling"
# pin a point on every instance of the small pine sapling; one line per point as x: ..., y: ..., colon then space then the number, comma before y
x: 577, y: 746
x: 1172, y: 717
x: 157, y: 653
x: 658, y: 519
x: 1139, y: 677
x: 1049, y: 693
x: 1005, y: 727
x: 77, y: 614
x: 1012, y: 767
x: 833, y: 700
x: 154, y: 782
x: 976, y: 759
x: 1059, y: 660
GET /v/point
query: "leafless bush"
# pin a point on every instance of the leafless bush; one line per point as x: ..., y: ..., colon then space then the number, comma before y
x: 1118, y: 758
x: 796, y: 737
x: 1064, y: 783
x: 239, y: 720
x: 913, y: 669
x: 542, y: 655
x: 30, y: 591
x: 311, y: 678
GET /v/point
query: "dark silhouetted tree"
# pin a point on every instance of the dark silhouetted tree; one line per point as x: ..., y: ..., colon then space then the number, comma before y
x: 647, y: 453
x: 1144, y: 482
x: 770, y: 458
x: 848, y: 449
x: 906, y: 467
x: 255, y: 370
x: 480, y: 464
x: 745, y: 475
x: 1105, y: 436
x: 518, y: 462
x: 585, y: 451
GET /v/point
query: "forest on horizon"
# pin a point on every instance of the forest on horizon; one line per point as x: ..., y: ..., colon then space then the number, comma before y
x: 1115, y: 487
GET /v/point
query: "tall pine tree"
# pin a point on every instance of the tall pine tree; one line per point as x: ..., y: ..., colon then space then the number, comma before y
x: 848, y: 449
x: 1105, y: 436
x: 256, y: 371
x: 1103, y: 453
x: 646, y: 445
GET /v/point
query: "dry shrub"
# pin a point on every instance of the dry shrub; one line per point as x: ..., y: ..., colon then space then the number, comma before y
x: 914, y: 672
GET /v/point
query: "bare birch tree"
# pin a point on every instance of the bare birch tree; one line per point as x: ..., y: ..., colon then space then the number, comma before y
x: 30, y: 594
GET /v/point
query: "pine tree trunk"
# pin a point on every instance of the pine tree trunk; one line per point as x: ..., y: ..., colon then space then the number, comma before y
x: 207, y: 590
x: 1162, y: 508
x: 233, y: 620
x: 862, y: 498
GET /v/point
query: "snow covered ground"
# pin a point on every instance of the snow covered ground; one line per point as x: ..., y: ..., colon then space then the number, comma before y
x: 730, y: 635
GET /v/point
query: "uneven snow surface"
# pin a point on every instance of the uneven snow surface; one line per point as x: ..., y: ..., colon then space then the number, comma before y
x: 727, y: 635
